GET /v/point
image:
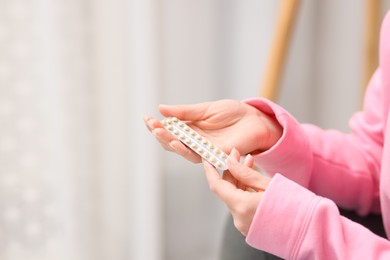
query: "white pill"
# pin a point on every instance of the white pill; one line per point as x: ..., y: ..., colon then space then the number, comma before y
x: 196, y: 142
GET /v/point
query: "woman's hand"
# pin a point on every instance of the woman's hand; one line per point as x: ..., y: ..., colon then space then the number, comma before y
x: 241, y: 188
x: 226, y: 123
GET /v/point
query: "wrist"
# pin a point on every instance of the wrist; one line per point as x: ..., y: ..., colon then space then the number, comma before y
x: 275, y: 131
x: 270, y: 131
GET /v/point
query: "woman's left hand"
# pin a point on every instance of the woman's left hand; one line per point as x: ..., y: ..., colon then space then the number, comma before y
x: 241, y: 188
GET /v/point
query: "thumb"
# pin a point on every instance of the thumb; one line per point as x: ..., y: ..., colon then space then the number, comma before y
x: 190, y: 112
x: 245, y: 174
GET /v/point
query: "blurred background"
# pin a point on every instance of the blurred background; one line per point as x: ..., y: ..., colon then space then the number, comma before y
x: 80, y: 176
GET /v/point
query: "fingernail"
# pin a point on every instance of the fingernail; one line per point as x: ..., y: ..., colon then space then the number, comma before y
x: 232, y: 158
x: 146, y: 121
x: 163, y: 106
x: 248, y: 157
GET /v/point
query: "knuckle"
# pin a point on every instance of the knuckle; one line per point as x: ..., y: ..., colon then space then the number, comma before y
x: 245, y: 173
x: 242, y: 210
x: 241, y: 207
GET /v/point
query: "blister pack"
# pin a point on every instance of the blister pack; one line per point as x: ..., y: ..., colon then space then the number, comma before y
x: 196, y: 142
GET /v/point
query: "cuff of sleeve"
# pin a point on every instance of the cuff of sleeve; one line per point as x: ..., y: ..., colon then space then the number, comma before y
x: 281, y: 219
x: 292, y: 153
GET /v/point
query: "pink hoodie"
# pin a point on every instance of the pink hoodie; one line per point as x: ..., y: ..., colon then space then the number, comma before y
x: 351, y: 170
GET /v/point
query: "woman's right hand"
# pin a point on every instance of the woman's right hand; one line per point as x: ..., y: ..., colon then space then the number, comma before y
x: 241, y: 188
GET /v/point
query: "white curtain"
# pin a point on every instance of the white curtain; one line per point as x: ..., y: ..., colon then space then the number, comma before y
x: 45, y: 134
x: 80, y: 176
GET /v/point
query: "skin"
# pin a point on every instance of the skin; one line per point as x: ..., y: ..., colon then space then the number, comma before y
x: 233, y: 126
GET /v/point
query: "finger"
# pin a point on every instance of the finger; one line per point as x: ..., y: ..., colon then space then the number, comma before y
x: 164, y: 144
x: 223, y: 189
x: 246, y: 175
x: 249, y: 161
x: 170, y: 143
x: 227, y: 176
x: 152, y: 123
x: 240, y: 185
x: 235, y: 154
x: 163, y: 136
x: 191, y: 112
x: 184, y: 151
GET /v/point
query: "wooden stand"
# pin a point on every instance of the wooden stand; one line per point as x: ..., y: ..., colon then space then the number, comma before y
x: 284, y: 25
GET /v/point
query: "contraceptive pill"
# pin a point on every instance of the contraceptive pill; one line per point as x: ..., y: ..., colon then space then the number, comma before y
x: 196, y: 142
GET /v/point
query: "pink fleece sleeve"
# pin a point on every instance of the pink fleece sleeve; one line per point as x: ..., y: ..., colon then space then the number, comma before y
x: 298, y: 217
x: 292, y: 154
x: 294, y: 223
x: 333, y: 164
